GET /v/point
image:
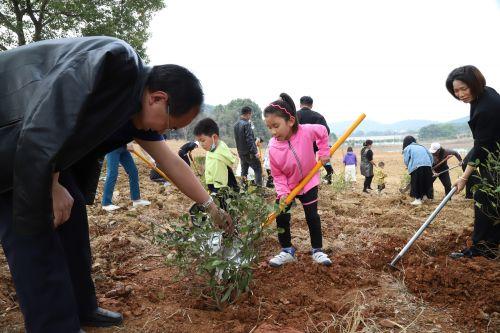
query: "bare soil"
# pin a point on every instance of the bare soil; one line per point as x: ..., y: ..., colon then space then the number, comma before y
x: 362, y: 233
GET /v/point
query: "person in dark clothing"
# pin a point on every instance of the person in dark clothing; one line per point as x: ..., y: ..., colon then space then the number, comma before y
x: 247, y: 149
x: 307, y: 116
x: 440, y: 157
x: 186, y: 150
x: 473, y: 179
x: 367, y: 164
x: 64, y: 104
x: 468, y: 85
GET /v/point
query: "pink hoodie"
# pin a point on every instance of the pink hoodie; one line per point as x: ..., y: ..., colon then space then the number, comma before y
x: 291, y: 160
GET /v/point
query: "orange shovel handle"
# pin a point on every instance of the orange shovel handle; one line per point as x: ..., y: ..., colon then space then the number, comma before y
x: 151, y: 165
x: 316, y: 168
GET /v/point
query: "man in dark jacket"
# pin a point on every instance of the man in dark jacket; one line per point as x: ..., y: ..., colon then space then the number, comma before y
x: 307, y: 116
x: 440, y: 164
x: 64, y: 104
x: 247, y: 149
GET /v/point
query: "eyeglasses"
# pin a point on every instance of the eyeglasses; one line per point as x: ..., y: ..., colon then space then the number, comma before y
x: 168, y: 130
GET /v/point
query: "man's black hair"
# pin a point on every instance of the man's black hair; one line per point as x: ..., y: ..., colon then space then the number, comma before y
x: 183, y: 87
x: 306, y: 100
x: 206, y: 127
x: 245, y: 110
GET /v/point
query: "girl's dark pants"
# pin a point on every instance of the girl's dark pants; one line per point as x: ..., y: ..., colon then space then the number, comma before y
x: 51, y: 270
x: 309, y: 202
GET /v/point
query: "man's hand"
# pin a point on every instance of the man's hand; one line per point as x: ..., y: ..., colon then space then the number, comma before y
x: 62, y: 202
x: 324, y: 159
x: 221, y: 218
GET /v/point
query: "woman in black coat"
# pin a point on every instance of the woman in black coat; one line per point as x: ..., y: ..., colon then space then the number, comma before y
x: 366, y: 165
x: 468, y: 85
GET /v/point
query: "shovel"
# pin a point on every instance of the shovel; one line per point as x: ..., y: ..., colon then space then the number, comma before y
x: 419, y: 232
x: 311, y: 174
x: 437, y: 174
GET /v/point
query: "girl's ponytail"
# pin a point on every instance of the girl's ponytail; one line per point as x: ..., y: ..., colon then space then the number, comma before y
x: 288, y: 100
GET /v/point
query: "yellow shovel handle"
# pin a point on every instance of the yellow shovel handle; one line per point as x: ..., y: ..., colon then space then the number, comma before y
x: 151, y: 165
x: 316, y: 168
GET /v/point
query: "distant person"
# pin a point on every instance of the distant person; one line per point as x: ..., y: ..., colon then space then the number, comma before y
x: 307, y: 116
x: 440, y: 157
x: 350, y: 162
x: 247, y: 149
x: 291, y: 160
x: 468, y: 84
x: 218, y: 160
x: 113, y: 160
x: 186, y: 150
x: 418, y: 160
x: 380, y: 176
x: 367, y: 165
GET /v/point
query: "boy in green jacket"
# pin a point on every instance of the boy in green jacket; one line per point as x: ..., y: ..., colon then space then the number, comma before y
x: 219, y: 158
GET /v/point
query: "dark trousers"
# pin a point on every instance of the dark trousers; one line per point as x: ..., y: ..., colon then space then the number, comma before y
x: 368, y: 183
x: 250, y: 160
x: 309, y: 202
x: 51, y: 270
x: 445, y: 180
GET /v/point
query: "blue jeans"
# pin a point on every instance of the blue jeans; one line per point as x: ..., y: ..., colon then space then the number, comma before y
x: 113, y: 159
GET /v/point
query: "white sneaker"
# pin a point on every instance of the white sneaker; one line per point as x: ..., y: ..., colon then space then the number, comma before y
x: 140, y: 202
x: 110, y: 208
x: 280, y: 259
x: 416, y: 202
x: 321, y: 258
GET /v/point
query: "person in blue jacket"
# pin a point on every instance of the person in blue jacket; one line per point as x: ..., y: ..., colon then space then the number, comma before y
x: 418, y: 160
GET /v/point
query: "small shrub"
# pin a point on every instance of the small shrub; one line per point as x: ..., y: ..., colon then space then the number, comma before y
x: 224, y: 263
x: 339, y: 184
x: 489, y: 184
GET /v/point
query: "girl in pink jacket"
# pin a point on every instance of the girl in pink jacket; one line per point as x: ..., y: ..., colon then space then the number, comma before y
x: 291, y: 157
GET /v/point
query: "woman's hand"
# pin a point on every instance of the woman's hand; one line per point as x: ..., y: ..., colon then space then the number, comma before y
x: 221, y: 218
x: 460, y: 184
x: 62, y: 201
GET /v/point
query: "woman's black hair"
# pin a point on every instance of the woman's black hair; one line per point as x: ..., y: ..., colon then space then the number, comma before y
x: 287, y: 103
x: 408, y: 140
x: 367, y: 143
x: 183, y: 87
x: 469, y: 75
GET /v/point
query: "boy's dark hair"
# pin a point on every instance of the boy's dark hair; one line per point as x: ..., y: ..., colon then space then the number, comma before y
x: 306, y: 100
x: 381, y: 164
x: 367, y: 143
x: 349, y: 148
x: 469, y: 75
x: 245, y: 110
x: 206, y: 127
x: 183, y: 87
x: 285, y: 102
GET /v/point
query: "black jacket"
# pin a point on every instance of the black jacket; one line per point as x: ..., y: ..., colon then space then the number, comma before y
x: 244, y: 137
x: 485, y: 124
x: 59, y: 100
x: 308, y: 116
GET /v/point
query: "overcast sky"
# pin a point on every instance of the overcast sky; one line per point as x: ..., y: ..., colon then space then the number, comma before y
x: 387, y: 58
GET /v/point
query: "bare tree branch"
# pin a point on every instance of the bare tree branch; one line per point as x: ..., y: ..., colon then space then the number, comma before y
x: 8, y: 24
x: 3, y: 48
x: 21, y: 40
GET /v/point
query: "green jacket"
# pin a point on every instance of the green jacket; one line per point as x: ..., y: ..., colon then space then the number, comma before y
x: 216, y: 164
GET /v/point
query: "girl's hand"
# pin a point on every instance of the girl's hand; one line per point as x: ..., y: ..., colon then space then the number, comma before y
x: 324, y: 159
x: 62, y: 202
x: 460, y: 184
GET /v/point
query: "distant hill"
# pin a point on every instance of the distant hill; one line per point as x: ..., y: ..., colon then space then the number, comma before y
x: 371, y: 127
